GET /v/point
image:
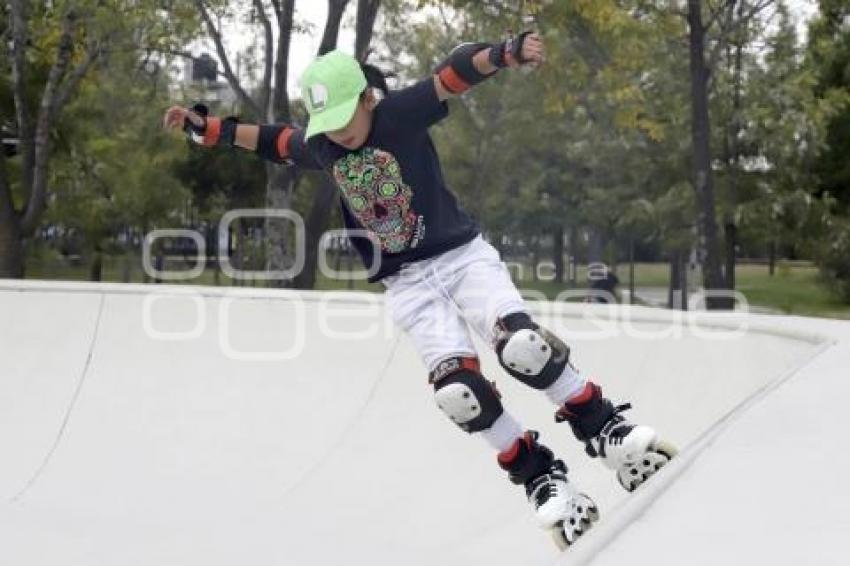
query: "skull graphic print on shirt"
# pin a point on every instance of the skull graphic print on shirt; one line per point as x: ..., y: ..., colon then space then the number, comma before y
x: 370, y: 181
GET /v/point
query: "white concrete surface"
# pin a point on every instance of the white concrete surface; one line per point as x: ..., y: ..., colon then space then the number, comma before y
x: 151, y: 429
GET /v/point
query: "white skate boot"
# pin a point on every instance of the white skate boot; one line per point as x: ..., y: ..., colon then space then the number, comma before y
x: 634, y: 451
x: 559, y: 507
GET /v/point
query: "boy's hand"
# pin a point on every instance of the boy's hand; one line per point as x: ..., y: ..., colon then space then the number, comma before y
x: 523, y: 50
x: 200, y: 127
x: 531, y: 51
x: 177, y: 117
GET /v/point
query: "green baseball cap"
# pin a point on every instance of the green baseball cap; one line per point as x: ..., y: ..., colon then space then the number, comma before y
x: 330, y: 88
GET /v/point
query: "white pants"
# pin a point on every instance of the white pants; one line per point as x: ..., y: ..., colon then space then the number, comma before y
x: 435, y: 301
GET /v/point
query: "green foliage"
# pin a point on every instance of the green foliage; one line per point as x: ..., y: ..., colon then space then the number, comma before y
x: 95, y: 120
x: 829, y: 58
x: 575, y: 143
x: 113, y: 167
x: 834, y: 258
x: 596, y: 142
x: 599, y: 138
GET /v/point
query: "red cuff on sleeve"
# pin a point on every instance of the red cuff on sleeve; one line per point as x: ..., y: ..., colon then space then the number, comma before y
x: 452, y: 81
x: 283, y: 142
x: 212, y: 132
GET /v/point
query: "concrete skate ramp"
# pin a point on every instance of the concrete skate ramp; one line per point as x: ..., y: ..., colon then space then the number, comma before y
x: 190, y: 426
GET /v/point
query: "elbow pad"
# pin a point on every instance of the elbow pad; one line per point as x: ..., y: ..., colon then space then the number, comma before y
x: 458, y: 73
x: 273, y: 143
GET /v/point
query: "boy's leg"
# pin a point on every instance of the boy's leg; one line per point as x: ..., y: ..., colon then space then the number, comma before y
x: 485, y: 292
x: 441, y: 337
x: 463, y: 394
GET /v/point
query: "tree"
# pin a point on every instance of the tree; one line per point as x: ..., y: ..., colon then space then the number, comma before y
x: 560, y: 148
x: 52, y: 48
x: 729, y: 17
x: 34, y: 124
x: 114, y: 170
x: 828, y: 55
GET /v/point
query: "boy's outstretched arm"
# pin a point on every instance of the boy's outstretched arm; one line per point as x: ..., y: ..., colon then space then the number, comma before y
x: 208, y: 131
x: 471, y: 63
x: 274, y: 142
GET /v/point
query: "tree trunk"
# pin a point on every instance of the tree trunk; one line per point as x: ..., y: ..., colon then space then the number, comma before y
x: 534, y: 244
x: 772, y: 258
x: 53, y: 91
x: 336, y: 8
x: 631, y: 271
x: 315, y: 225
x: 730, y: 231
x: 674, y: 290
x: 573, y: 257
x: 367, y: 11
x: 279, y: 231
x: 11, y: 243
x: 558, y: 253
x: 595, y: 247
x: 349, y: 261
x: 239, y: 254
x: 96, y: 267
x: 126, y: 268
x: 11, y: 246
x: 703, y: 179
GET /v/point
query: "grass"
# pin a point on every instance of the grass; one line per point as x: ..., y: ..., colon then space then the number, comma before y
x: 795, y: 287
x: 792, y: 290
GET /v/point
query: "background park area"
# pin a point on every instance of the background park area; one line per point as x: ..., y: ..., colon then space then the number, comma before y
x: 699, y: 145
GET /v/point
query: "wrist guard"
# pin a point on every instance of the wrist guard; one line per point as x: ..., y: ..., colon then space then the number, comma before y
x: 214, y: 131
x: 458, y: 73
x: 509, y: 51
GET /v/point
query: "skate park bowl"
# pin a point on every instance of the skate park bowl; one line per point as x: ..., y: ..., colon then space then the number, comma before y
x: 164, y: 425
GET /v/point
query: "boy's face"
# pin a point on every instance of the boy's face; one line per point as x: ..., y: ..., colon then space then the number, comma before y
x: 354, y: 134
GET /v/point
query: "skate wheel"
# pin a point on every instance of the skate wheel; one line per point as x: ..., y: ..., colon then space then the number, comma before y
x: 666, y: 448
x: 559, y: 534
x: 567, y: 532
x: 636, y: 473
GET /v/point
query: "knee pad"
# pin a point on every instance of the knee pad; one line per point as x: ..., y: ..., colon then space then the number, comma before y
x: 462, y: 393
x: 529, y: 352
